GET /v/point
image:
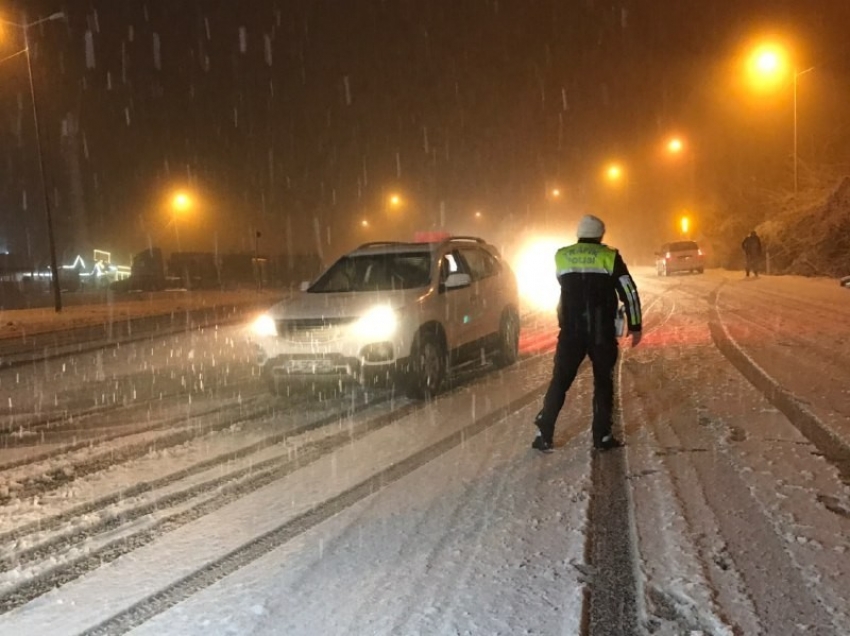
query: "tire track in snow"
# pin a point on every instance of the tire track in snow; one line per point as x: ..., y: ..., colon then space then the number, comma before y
x: 56, y: 477
x: 229, y: 484
x: 227, y: 487
x: 751, y: 543
x: 51, y: 345
x: 68, y: 423
x: 611, y: 603
x: 752, y: 547
x: 833, y: 448
x: 164, y: 423
x: 159, y: 602
x: 100, y: 504
x: 613, y: 596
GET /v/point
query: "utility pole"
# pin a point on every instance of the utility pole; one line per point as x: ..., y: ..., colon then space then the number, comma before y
x: 51, y: 240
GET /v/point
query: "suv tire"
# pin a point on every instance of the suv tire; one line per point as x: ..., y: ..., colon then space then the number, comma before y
x: 508, y: 347
x: 427, y: 367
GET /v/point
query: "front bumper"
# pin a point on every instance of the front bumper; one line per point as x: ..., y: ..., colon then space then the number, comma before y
x: 375, y: 362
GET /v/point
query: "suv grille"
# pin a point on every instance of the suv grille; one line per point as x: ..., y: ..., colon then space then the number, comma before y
x: 311, y: 329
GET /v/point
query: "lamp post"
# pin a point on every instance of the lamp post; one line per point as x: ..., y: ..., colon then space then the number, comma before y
x: 24, y: 26
x: 797, y: 74
x: 769, y: 65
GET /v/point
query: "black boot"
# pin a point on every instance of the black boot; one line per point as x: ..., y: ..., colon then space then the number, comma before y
x: 607, y: 443
x: 541, y: 442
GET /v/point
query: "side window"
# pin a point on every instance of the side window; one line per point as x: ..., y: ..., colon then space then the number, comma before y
x: 494, y: 265
x: 482, y: 264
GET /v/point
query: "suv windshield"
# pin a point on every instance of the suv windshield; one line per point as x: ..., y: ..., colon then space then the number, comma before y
x: 376, y: 272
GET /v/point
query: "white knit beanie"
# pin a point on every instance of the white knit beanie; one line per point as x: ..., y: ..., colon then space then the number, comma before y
x: 590, y: 227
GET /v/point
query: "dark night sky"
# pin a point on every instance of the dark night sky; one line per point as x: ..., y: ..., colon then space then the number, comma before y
x: 287, y: 116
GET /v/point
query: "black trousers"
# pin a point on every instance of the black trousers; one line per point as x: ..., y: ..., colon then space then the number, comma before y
x: 569, y: 354
x: 753, y: 263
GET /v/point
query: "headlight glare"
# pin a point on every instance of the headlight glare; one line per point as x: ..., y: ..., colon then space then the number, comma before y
x: 264, y: 326
x: 377, y: 323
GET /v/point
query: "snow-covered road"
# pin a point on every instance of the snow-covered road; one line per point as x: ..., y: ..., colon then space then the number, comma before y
x: 186, y: 501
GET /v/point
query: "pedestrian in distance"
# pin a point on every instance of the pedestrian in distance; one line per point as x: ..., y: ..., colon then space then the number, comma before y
x: 752, y: 253
x: 592, y: 277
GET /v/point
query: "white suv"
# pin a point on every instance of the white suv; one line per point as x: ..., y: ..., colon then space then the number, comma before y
x: 396, y: 312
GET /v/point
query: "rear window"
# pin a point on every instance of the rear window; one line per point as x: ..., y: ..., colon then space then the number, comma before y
x: 682, y: 246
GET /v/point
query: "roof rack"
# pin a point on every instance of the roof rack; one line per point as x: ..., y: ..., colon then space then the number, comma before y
x: 474, y: 239
x: 380, y: 243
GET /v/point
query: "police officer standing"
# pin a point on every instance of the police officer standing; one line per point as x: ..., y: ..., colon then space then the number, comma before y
x: 592, y: 276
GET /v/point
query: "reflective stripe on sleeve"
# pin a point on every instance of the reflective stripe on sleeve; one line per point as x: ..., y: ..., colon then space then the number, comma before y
x: 634, y: 303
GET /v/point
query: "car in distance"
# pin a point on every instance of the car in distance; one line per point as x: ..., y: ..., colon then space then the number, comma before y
x: 679, y: 256
x: 392, y: 312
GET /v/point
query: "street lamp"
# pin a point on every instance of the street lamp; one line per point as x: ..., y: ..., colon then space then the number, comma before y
x: 768, y: 66
x: 614, y: 173
x: 797, y: 74
x: 181, y: 203
x: 677, y: 147
x: 24, y: 26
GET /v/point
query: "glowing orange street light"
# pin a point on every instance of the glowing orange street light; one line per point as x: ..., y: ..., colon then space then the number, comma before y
x: 685, y: 224
x: 768, y: 65
x: 364, y: 223
x: 395, y: 200
x: 614, y: 172
x: 478, y: 214
x: 675, y: 146
x: 181, y: 202
x: 556, y: 192
x: 767, y: 62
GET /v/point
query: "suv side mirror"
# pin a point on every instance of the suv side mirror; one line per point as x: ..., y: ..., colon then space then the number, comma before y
x: 457, y: 280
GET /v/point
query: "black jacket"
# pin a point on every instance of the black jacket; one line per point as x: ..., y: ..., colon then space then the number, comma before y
x: 592, y: 276
x: 752, y: 245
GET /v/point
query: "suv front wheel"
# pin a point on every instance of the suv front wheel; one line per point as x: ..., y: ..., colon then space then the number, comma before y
x: 427, y: 367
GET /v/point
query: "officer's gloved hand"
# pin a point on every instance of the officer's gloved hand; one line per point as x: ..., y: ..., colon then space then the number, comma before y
x: 636, y: 336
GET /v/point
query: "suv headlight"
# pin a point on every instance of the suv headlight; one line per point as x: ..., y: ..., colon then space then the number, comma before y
x: 377, y: 323
x: 264, y: 326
